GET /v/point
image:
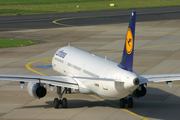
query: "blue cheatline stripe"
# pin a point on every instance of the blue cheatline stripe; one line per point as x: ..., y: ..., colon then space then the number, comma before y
x: 128, y: 52
x: 44, y: 65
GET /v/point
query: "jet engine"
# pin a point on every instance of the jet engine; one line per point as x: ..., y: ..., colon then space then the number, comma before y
x: 139, y: 92
x: 36, y: 90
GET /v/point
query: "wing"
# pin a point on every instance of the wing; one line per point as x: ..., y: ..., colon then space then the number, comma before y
x: 98, y: 79
x: 64, y: 81
x: 168, y: 78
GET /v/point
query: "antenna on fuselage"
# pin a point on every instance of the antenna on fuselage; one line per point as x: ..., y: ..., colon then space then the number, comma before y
x: 69, y: 44
x: 105, y: 57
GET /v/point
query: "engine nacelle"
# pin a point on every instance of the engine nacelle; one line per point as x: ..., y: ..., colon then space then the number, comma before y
x: 35, y: 90
x: 139, y: 92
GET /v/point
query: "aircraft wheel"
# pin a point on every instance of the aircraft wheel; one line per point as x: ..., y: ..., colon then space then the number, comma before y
x: 64, y: 103
x: 56, y: 103
x: 122, y: 103
x: 130, y: 103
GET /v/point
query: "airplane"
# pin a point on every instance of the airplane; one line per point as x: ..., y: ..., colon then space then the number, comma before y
x: 92, y: 74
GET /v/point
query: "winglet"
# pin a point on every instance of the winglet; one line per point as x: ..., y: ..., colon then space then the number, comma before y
x: 127, y: 58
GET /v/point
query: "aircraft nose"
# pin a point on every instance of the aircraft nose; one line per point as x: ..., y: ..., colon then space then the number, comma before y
x: 136, y: 81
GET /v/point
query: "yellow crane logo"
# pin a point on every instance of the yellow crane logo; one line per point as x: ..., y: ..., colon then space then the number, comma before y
x: 129, y: 41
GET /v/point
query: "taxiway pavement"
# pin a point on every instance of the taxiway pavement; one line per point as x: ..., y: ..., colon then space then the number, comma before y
x: 157, y: 51
x: 26, y: 22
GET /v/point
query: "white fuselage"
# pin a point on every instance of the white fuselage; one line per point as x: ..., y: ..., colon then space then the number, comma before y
x: 71, y: 61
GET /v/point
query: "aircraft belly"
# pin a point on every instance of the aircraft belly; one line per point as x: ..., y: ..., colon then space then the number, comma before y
x: 111, y: 91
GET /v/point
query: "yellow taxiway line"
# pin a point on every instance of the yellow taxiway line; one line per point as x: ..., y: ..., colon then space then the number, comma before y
x: 61, y: 19
x: 128, y: 111
x: 28, y: 66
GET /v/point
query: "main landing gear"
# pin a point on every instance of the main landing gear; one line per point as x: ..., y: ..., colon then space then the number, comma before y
x: 125, y: 101
x: 63, y: 101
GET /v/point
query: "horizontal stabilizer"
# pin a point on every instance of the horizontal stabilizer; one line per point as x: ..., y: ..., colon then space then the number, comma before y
x: 168, y: 78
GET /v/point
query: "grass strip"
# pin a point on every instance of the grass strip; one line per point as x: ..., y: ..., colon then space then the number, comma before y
x: 21, y: 12
x: 24, y: 7
x: 15, y: 43
x: 34, y: 2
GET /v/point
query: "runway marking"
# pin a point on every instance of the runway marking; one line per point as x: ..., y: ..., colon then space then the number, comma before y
x: 48, y: 60
x: 85, y: 17
x: 143, y: 118
x: 61, y: 19
x: 55, y: 21
x: 128, y: 111
x: 28, y: 66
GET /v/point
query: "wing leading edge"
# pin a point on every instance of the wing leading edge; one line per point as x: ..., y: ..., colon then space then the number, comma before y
x: 64, y: 81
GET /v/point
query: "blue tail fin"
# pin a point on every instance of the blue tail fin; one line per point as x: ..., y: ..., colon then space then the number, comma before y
x: 127, y: 58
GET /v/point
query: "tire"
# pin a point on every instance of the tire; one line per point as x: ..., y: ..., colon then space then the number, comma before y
x: 122, y: 103
x: 130, y: 103
x: 56, y: 103
x: 64, y: 103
